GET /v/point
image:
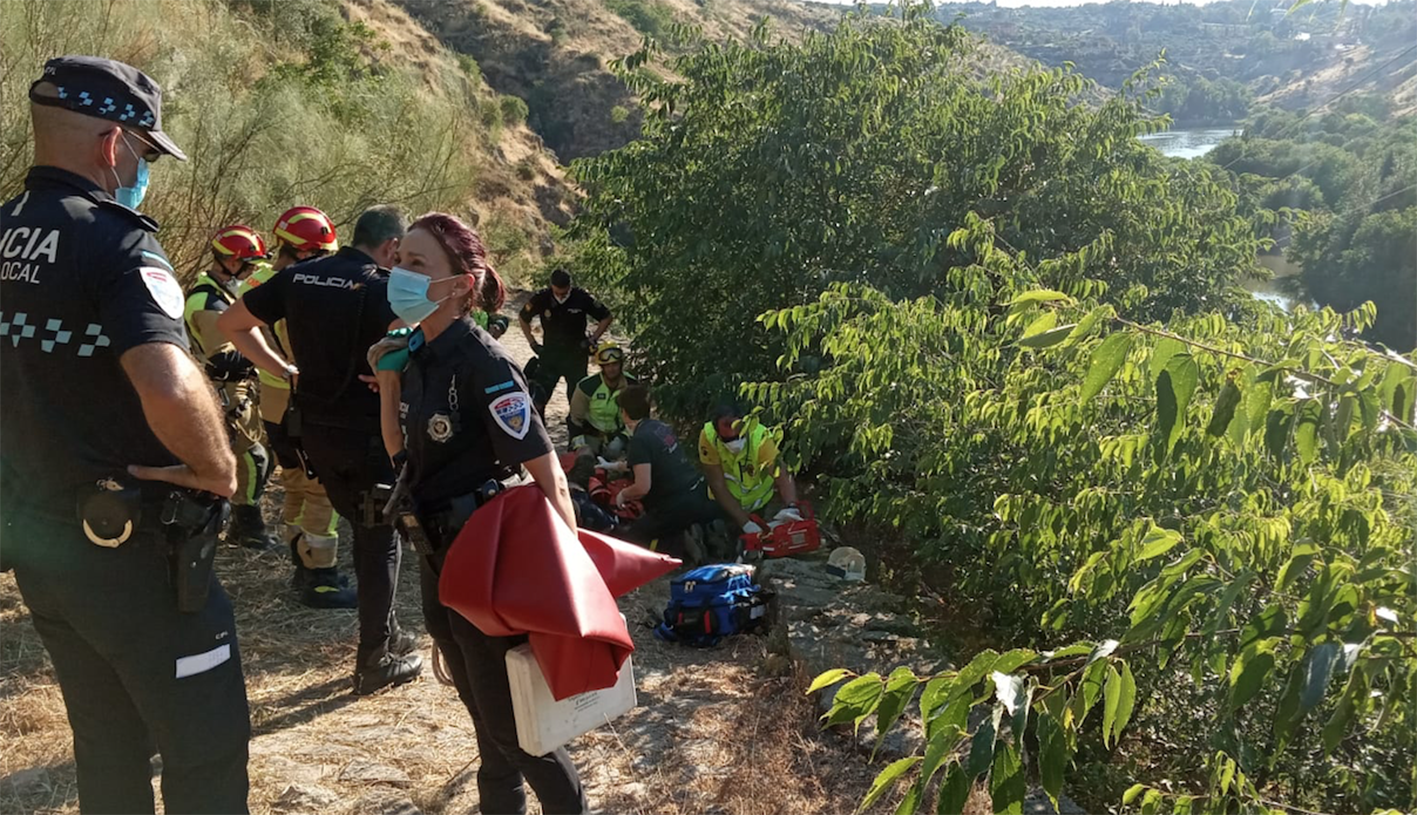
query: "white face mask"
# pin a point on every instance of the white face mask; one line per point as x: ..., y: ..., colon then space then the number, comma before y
x: 736, y: 446
x: 561, y: 300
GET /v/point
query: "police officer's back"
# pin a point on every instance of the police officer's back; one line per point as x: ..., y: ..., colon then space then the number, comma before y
x: 100, y: 390
x: 334, y: 308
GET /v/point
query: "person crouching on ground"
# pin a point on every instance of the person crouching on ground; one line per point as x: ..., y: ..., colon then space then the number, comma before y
x: 674, y: 495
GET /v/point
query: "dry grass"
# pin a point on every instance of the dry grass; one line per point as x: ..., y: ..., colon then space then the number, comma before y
x: 713, y: 732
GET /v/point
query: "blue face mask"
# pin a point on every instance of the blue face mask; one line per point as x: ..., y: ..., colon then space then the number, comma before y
x: 131, y: 197
x: 408, y: 295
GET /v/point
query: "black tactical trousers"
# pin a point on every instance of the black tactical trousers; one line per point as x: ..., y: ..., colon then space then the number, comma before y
x: 478, y: 665
x: 557, y: 364
x: 137, y: 675
x: 349, y: 463
x: 666, y: 521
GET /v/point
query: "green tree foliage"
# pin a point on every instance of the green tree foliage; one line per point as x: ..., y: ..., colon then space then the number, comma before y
x: 1200, y: 101
x: 276, y: 103
x: 1352, y: 175
x: 773, y: 171
x: 1196, y: 539
x: 649, y: 17
x: 1003, y: 331
x: 1357, y: 256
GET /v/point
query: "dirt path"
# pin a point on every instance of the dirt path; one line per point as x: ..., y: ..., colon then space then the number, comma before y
x: 720, y: 730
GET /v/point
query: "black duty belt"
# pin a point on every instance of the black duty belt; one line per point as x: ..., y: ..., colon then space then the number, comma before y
x: 441, y: 526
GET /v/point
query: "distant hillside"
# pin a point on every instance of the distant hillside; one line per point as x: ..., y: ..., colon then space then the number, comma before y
x: 1387, y: 69
x: 1287, y: 58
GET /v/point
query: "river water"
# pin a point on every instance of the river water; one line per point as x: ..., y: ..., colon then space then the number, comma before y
x: 1196, y: 142
x: 1190, y: 143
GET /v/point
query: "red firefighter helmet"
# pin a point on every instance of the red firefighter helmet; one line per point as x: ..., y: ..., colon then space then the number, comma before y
x: 306, y: 228
x: 239, y: 241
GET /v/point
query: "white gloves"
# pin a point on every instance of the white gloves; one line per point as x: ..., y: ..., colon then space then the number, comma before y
x: 788, y: 515
x: 752, y: 528
x: 611, y: 466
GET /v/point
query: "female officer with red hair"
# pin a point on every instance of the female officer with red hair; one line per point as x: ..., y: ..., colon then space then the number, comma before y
x: 470, y: 428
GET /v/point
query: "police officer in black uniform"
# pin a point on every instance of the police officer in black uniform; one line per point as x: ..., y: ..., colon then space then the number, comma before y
x: 335, y: 307
x: 114, y: 453
x: 565, y: 348
x: 470, y: 429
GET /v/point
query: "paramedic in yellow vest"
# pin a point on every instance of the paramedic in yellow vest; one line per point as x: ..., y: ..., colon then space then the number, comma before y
x: 235, y: 252
x: 740, y: 458
x: 594, y: 423
x: 310, y: 520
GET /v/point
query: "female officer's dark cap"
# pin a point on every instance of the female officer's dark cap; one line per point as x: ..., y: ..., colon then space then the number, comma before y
x: 108, y: 89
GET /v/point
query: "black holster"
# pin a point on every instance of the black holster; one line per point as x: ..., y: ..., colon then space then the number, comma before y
x: 192, y: 523
x: 374, y: 502
x: 442, y: 527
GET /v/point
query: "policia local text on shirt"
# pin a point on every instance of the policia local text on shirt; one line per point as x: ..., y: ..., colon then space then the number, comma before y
x: 104, y: 405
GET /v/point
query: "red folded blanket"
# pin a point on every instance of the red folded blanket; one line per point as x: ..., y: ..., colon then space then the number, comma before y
x: 516, y: 568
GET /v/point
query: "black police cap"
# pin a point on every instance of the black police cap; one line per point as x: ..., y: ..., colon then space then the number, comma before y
x: 108, y: 89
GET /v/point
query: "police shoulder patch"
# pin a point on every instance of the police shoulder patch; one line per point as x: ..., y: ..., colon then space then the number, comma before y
x: 164, y: 290
x: 512, y: 413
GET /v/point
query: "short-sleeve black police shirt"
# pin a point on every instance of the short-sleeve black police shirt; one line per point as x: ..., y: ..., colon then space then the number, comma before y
x: 671, y: 475
x: 334, y: 308
x: 82, y: 281
x: 466, y: 415
x: 563, y: 325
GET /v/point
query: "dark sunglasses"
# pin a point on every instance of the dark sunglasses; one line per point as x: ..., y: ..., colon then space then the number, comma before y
x: 151, y: 154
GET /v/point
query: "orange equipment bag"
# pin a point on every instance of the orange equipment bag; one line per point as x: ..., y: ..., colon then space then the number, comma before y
x: 785, y: 539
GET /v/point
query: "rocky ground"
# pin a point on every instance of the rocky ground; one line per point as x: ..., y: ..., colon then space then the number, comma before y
x: 725, y: 730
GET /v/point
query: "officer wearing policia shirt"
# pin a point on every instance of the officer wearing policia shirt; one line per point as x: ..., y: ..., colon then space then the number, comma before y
x: 311, y: 523
x: 335, y: 307
x: 112, y: 457
x: 564, y: 352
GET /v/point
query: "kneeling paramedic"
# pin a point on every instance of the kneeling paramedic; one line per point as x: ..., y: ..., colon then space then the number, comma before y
x: 675, y: 498
x: 594, y: 424
x: 335, y: 308
x: 114, y: 455
x: 471, y: 429
x: 740, y: 459
x: 236, y: 250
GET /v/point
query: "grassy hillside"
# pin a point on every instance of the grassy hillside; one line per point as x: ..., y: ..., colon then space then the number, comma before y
x: 283, y: 102
x: 554, y: 53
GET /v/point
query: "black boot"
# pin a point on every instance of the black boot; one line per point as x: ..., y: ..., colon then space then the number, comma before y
x: 324, y: 588
x: 319, y: 588
x: 381, y: 669
x: 248, y: 529
x: 401, y: 640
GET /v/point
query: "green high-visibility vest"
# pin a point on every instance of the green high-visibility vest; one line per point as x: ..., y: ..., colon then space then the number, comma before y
x: 605, y: 403
x: 749, y: 483
x: 265, y: 272
x: 198, y: 299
